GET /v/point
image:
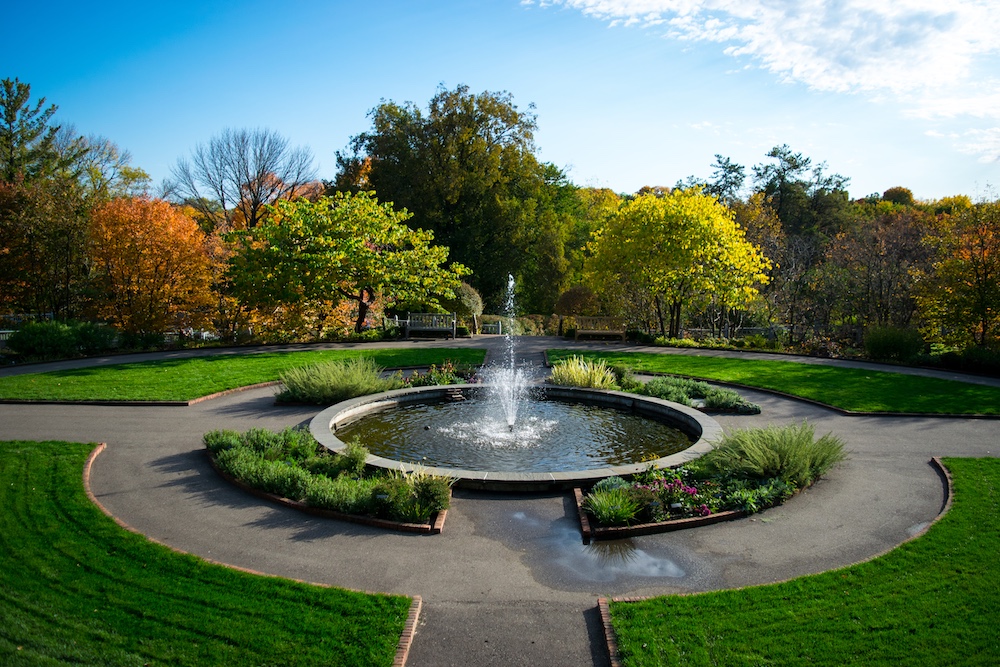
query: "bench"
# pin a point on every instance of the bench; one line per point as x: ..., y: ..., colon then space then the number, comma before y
x: 599, y: 326
x: 432, y: 322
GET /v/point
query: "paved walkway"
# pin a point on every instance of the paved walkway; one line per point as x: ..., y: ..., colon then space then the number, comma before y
x: 508, y: 582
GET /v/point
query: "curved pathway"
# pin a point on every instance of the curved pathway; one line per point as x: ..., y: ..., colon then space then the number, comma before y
x: 508, y: 582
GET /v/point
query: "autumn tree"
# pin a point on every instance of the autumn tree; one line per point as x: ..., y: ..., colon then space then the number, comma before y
x: 237, y: 174
x: 675, y: 248
x: 959, y: 297
x: 309, y: 255
x: 869, y: 268
x: 150, y: 267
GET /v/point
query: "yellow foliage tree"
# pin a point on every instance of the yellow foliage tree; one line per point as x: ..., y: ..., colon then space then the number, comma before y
x: 150, y: 266
x: 676, y: 247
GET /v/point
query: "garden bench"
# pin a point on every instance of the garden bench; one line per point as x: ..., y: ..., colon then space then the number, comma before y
x: 432, y: 322
x: 599, y: 326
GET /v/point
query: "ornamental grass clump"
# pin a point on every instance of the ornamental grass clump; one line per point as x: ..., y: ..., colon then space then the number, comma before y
x: 580, y: 372
x: 613, y: 506
x: 790, y: 453
x: 335, y: 381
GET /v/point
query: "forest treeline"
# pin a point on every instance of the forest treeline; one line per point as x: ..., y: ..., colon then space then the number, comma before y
x: 433, y: 206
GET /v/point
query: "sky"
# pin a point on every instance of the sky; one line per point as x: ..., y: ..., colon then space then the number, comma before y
x: 626, y: 93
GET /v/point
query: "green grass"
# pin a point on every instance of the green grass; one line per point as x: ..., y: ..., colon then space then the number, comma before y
x: 852, y: 389
x: 187, y: 379
x: 77, y: 589
x: 931, y: 601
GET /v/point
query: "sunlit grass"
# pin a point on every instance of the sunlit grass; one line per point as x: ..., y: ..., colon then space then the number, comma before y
x: 75, y: 588
x: 929, y: 602
x: 194, y: 377
x: 853, y: 389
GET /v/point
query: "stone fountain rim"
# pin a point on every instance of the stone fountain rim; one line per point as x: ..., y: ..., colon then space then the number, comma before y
x: 324, y: 424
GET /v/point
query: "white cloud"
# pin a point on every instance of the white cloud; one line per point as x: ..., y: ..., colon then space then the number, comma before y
x: 982, y: 142
x: 939, y: 59
x: 925, y: 52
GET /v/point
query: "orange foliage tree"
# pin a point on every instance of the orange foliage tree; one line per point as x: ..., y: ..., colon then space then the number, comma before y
x: 150, y: 264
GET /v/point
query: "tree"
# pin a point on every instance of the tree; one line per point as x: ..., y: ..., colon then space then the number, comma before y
x: 727, y: 180
x: 27, y: 141
x: 466, y: 169
x: 107, y: 170
x: 805, y: 198
x: 309, y: 255
x: 674, y: 248
x: 233, y: 178
x: 899, y: 195
x: 960, y: 296
x: 869, y: 269
x: 43, y: 259
x: 150, y: 266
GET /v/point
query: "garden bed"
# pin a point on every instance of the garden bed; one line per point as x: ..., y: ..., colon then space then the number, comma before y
x: 591, y: 531
x: 433, y: 527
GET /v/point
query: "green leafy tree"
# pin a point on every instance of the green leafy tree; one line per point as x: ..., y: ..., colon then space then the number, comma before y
x: 43, y: 258
x: 674, y: 248
x: 28, y: 146
x: 466, y: 169
x: 309, y: 255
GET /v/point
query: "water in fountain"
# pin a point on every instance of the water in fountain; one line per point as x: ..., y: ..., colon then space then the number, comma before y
x: 508, y: 384
x: 496, y: 423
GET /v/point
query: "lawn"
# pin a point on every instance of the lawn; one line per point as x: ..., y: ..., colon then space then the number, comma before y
x: 932, y: 601
x: 187, y: 379
x: 851, y: 389
x: 76, y: 588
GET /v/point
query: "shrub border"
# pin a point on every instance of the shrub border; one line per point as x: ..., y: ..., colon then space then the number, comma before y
x: 416, y: 604
x: 603, y: 602
x: 435, y: 526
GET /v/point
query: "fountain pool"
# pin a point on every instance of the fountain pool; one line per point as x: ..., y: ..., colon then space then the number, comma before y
x: 563, y: 437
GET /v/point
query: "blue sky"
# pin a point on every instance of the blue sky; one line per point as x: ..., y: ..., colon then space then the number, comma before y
x: 627, y: 92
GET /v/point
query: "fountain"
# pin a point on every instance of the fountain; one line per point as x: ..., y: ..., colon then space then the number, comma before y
x: 512, y: 434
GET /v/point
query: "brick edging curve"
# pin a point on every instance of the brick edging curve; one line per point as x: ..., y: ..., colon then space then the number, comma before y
x: 603, y: 603
x: 412, y: 617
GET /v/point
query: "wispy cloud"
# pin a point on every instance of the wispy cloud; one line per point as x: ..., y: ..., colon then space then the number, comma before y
x: 939, y: 59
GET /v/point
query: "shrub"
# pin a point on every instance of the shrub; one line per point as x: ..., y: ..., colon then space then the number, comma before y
x: 342, y: 494
x: 612, y: 507
x: 44, y: 340
x: 614, y: 482
x: 754, y: 496
x: 446, y: 374
x: 579, y: 372
x: 718, y: 398
x: 893, y: 344
x: 94, y: 338
x: 335, y: 381
x: 790, y: 453
x: 624, y: 378
x: 218, y: 441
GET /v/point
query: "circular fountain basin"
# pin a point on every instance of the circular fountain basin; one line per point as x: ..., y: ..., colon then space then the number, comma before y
x: 517, y: 461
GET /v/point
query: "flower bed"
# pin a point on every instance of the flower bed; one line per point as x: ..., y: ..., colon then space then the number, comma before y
x: 750, y: 470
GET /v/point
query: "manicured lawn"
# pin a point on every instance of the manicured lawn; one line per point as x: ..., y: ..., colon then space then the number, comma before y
x: 847, y: 388
x: 77, y: 589
x: 932, y: 601
x: 187, y: 379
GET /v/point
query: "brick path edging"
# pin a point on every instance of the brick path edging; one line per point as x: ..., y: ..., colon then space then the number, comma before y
x: 604, y: 606
x: 412, y: 618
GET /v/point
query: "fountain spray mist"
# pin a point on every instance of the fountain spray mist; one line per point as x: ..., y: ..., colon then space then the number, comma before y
x: 508, y: 383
